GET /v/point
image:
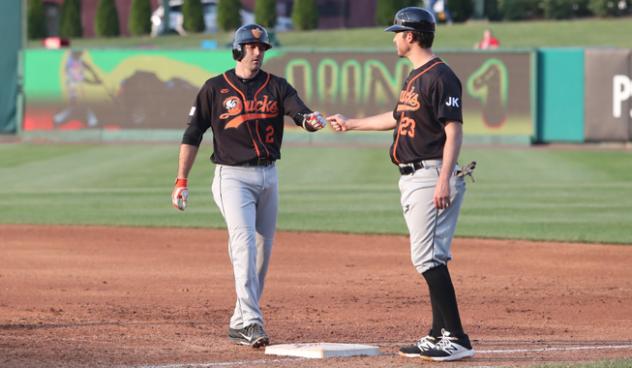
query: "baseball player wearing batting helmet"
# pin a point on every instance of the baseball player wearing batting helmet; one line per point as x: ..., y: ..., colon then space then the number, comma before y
x: 427, y: 136
x: 244, y: 108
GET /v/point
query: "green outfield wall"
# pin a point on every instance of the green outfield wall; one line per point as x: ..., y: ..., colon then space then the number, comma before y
x: 560, y: 91
x: 11, y: 31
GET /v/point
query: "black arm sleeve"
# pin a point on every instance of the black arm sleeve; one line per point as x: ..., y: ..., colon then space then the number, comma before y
x: 199, y: 118
x: 192, y: 135
x: 293, y: 106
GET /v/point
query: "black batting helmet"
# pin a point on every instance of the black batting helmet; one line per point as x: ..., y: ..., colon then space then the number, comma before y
x: 250, y: 33
x: 413, y: 19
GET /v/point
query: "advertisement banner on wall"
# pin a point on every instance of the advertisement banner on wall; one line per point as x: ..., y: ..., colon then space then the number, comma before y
x: 137, y: 89
x: 114, y: 89
x: 496, y: 86
x: 608, y: 95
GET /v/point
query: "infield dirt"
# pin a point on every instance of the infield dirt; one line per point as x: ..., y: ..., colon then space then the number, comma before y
x: 133, y: 297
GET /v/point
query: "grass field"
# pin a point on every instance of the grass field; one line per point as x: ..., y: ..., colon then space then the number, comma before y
x: 522, y: 193
x: 564, y: 194
x: 604, y: 364
x: 579, y: 33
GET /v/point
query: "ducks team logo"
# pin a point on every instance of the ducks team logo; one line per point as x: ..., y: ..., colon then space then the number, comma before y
x: 408, y: 100
x: 256, y: 33
x: 233, y: 107
x: 260, y: 109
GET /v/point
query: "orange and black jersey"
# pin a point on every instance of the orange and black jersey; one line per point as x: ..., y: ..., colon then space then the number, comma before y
x: 430, y: 97
x: 245, y: 116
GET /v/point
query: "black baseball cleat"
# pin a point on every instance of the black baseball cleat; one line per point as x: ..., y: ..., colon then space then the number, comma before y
x: 252, y: 335
x: 414, y: 351
x: 449, y: 348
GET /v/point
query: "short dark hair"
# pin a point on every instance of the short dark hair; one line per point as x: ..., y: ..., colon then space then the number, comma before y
x: 424, y: 39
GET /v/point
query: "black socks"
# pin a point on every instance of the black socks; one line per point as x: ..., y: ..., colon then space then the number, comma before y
x: 445, y: 311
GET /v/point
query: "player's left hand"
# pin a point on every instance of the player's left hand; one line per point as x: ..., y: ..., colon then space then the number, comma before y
x: 314, y: 121
x: 180, y: 194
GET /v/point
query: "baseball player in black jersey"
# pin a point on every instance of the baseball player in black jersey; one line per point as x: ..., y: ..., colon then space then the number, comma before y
x: 427, y: 136
x: 244, y: 107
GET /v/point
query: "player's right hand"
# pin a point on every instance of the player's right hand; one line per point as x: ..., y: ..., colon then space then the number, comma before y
x: 338, y: 122
x: 180, y: 194
x: 314, y: 121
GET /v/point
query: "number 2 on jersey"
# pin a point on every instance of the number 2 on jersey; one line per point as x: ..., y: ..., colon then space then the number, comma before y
x: 407, y: 127
x: 269, y: 134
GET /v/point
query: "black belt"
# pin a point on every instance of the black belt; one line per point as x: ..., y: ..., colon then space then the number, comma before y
x: 258, y: 162
x: 408, y: 169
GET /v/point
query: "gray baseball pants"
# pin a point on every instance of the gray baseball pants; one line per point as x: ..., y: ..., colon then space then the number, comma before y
x: 248, y: 199
x: 431, y: 230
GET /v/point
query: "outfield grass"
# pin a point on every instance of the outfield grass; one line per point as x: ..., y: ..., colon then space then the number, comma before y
x: 521, y: 193
x: 604, y: 364
x: 571, y: 33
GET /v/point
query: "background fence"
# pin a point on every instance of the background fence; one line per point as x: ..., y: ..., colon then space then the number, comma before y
x: 545, y: 95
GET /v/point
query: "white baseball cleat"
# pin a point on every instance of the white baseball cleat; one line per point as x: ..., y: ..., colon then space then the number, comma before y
x: 414, y: 351
x: 449, y: 348
x: 253, y: 335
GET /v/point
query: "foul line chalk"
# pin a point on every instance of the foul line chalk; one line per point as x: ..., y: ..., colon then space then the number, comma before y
x: 294, y: 360
x: 566, y: 348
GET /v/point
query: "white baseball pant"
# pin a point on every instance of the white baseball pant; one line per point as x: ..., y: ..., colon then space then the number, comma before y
x: 248, y: 199
x: 431, y: 230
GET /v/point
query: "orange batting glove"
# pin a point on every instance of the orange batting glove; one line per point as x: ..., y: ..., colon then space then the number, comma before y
x: 180, y: 194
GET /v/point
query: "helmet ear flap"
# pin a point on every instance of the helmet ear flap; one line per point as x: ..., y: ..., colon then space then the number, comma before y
x: 238, y: 52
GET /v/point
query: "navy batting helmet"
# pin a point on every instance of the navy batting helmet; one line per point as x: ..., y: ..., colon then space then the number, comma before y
x: 250, y: 33
x: 413, y: 19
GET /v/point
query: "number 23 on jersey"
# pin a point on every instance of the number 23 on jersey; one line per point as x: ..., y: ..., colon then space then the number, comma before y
x: 407, y: 127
